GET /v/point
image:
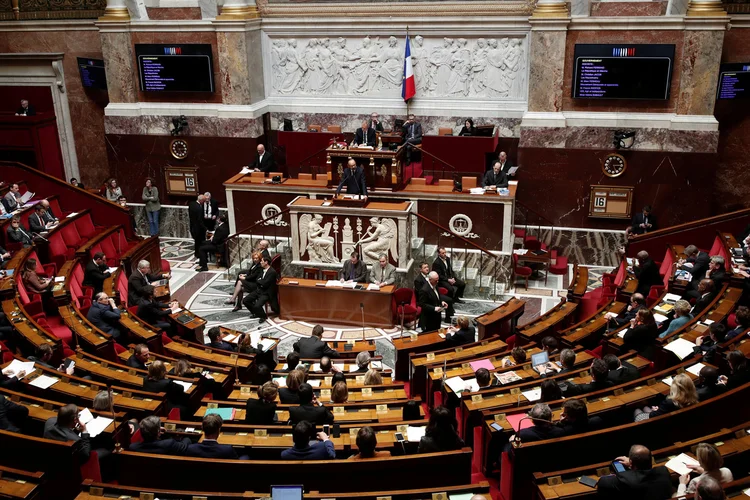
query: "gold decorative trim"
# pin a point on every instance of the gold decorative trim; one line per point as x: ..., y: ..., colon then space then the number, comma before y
x: 235, y: 13
x: 115, y: 14
x: 558, y: 9
x: 401, y: 9
x: 706, y: 9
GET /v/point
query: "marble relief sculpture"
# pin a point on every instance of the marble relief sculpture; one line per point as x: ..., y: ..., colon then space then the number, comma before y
x: 379, y: 239
x: 447, y: 67
x: 315, y: 239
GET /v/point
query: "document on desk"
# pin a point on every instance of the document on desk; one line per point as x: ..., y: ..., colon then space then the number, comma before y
x: 17, y: 366
x: 533, y: 394
x: 185, y: 385
x: 622, y: 333
x: 44, y: 382
x: 281, y: 381
x: 456, y: 384
x: 482, y: 363
x: 696, y: 369
x: 373, y: 286
x: 176, y: 310
x: 97, y: 426
x: 335, y: 283
x: 415, y: 434
x: 679, y: 464
x: 507, y: 377
x: 671, y: 297
x: 681, y: 348
x: 667, y: 381
x: 471, y: 385
x: 660, y: 318
x: 26, y: 197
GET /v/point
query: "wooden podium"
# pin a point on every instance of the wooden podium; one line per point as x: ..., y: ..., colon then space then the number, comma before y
x: 383, y: 169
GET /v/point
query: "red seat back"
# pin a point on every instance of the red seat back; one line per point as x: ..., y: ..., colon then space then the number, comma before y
x: 403, y: 296
x: 70, y: 235
x: 85, y: 226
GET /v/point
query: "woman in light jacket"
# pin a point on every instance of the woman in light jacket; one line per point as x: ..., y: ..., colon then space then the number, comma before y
x: 151, y: 199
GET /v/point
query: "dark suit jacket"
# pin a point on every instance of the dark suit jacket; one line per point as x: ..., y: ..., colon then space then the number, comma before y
x: 134, y: 362
x: 195, y: 212
x: 12, y: 415
x: 368, y: 137
x: 706, y: 391
x: 653, y: 484
x: 82, y: 446
x: 267, y: 286
x: 288, y: 396
x: 266, y: 164
x: 719, y: 277
x: 355, y: 182
x: 20, y: 235
x: 258, y: 412
x: 537, y: 433
x: 378, y: 126
x: 209, y: 448
x: 314, y: 348
x: 576, y: 389
x: 29, y: 111
x: 94, y: 276
x: 702, y: 303
x: 104, y: 318
x: 311, y: 413
x: 625, y: 373
x: 221, y: 233
x: 360, y: 271
x: 162, y: 446
x: 36, y: 223
x: 136, y: 282
x: 429, y: 444
x: 176, y: 396
x: 407, y: 133
x: 463, y: 336
x: 638, y: 220
x: 220, y: 344
x: 152, y: 311
x: 490, y: 179
x: 428, y: 301
x: 641, y: 338
x: 648, y: 275
x: 505, y: 167
x: 591, y: 424
x: 444, y: 270
x: 318, y: 451
x: 700, y: 266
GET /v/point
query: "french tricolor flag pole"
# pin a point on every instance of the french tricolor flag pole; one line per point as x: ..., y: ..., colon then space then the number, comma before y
x: 409, y: 88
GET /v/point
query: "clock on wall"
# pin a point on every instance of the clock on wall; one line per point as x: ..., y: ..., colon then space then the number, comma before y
x: 614, y: 165
x: 179, y: 148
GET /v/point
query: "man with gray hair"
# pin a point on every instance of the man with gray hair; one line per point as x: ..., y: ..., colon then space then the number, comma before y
x: 709, y: 488
x: 263, y: 248
x: 197, y: 227
x: 105, y: 315
x: 210, y: 211
x: 140, y: 278
x: 151, y: 432
x: 383, y: 273
x: 716, y: 273
x: 431, y: 303
x: 541, y: 416
x: 696, y: 263
x: 567, y: 360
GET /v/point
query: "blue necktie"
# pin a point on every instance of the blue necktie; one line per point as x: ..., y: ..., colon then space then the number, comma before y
x: 351, y: 273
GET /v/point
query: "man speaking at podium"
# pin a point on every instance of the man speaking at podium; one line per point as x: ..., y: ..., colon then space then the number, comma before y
x: 353, y: 179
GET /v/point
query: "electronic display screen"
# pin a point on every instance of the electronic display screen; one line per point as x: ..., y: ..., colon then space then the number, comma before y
x: 734, y: 81
x: 92, y: 73
x: 175, y: 68
x: 622, y: 71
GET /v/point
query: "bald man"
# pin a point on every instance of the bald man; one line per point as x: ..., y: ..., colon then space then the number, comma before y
x: 431, y: 303
x: 647, y: 273
x: 639, y: 479
x: 263, y: 161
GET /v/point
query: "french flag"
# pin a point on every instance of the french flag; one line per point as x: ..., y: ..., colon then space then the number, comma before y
x: 409, y: 88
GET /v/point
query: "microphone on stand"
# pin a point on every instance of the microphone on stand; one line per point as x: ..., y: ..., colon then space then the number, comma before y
x: 362, y: 309
x: 516, y: 443
x: 37, y: 235
x: 118, y: 446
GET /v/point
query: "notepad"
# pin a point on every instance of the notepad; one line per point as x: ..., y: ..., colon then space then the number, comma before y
x: 281, y: 381
x: 224, y: 413
x: 696, y: 369
x: 456, y: 384
x: 681, y: 348
x: 97, y: 426
x: 59, y: 279
x: 671, y: 297
x: 185, y: 385
x: 373, y: 286
x: 415, y: 434
x: 44, y: 382
x: 679, y: 464
x: 27, y: 196
x: 667, y: 381
x: 482, y: 363
x: 660, y: 318
x: 515, y: 421
x: 471, y: 385
x: 533, y: 394
x: 17, y: 366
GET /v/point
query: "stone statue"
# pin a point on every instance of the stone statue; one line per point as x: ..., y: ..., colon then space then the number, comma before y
x: 458, y: 83
x: 314, y: 238
x: 379, y: 239
x: 292, y: 72
x: 418, y: 64
x: 478, y: 67
x: 392, y: 68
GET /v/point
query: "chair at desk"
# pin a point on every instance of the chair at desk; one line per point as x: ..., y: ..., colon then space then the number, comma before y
x: 305, y: 177
x: 560, y: 267
x: 407, y: 311
x: 334, y: 129
x: 314, y: 128
x: 330, y: 275
x: 276, y: 264
x: 522, y: 271
x: 310, y: 273
x: 445, y: 131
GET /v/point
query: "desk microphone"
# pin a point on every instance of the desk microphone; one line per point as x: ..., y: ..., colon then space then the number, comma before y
x: 516, y: 443
x: 37, y: 235
x: 362, y: 309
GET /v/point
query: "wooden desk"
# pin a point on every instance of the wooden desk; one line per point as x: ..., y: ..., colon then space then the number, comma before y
x: 550, y: 322
x: 192, y: 329
x: 501, y: 320
x: 382, y: 168
x: 306, y: 301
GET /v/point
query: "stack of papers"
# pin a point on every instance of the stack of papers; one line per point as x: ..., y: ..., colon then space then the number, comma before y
x: 507, y: 377
x: 681, y: 348
x: 415, y: 434
x: 696, y: 369
x: 59, y: 279
x: 373, y: 286
x: 245, y: 170
x: 533, y: 394
x: 622, y: 333
x: 663, y: 308
x: 334, y: 283
x: 185, y: 385
x: 483, y: 363
x: 660, y: 318
x: 471, y: 385
x: 27, y: 196
x: 281, y: 381
x: 94, y: 425
x: 44, y: 382
x: 16, y: 367
x: 667, y: 381
x: 671, y: 298
x: 456, y: 384
x: 520, y: 251
x: 679, y: 464
x: 476, y: 190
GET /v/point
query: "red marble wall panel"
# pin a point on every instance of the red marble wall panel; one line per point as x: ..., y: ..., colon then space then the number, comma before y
x: 86, y: 106
x: 132, y: 158
x: 628, y: 8
x: 555, y: 183
x: 621, y: 37
x: 173, y: 13
x: 178, y: 38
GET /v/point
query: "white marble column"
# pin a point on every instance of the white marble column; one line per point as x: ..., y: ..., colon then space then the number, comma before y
x: 116, y: 10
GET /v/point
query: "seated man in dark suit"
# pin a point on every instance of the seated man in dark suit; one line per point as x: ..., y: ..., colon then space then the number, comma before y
x: 105, y: 315
x: 139, y: 279
x: 637, y: 301
x: 696, y: 263
x: 495, y: 177
x: 716, y: 273
x: 292, y: 359
x: 96, y: 272
x: 19, y: 234
x: 37, y: 223
x: 706, y: 294
x: 742, y: 316
x: 643, y: 222
x: 12, y: 415
x: 67, y: 427
x: 709, y: 345
x: 463, y: 335
x: 151, y: 432
x: 313, y: 347
x: 153, y: 312
x: 619, y: 373
x: 641, y: 480
x: 599, y: 372
x: 575, y: 418
x: 210, y: 447
x: 263, y: 161
x: 140, y: 357
x: 354, y: 180
x: 411, y: 134
x: 447, y: 278
x: 215, y: 244
x: 307, y: 410
x: 485, y: 380
x: 708, y: 384
x: 647, y: 273
x: 266, y: 291
x: 302, y: 434
x: 216, y: 341
x: 26, y: 109
x: 567, y: 360
x: 542, y: 429
x: 365, y: 136
x: 354, y: 269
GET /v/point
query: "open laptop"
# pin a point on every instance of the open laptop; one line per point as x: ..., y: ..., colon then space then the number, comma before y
x: 540, y: 363
x: 287, y: 492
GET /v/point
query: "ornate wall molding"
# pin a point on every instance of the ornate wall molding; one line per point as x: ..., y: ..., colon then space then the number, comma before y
x: 397, y: 9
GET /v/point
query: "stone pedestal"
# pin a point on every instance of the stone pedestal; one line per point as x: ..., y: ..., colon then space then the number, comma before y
x: 547, y: 61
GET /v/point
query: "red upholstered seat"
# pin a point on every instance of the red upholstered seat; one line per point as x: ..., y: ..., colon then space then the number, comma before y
x: 90, y: 470
x: 406, y: 307
x: 560, y: 266
x: 58, y: 250
x: 71, y: 236
x: 55, y: 325
x: 442, y: 291
x: 522, y: 271
x: 122, y: 287
x: 653, y: 295
x: 109, y: 250
x: 85, y: 226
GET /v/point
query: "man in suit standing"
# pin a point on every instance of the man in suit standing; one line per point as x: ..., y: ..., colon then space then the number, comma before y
x: 66, y: 427
x: 105, y: 315
x: 431, y: 304
x: 641, y: 480
x: 210, y: 447
x: 447, y: 278
x: 210, y: 211
x: 354, y: 180
x: 26, y: 109
x: 375, y: 123
x: 96, y: 272
x: 263, y: 161
x: 307, y: 410
x: 383, y: 273
x: 313, y: 347
x: 696, y: 264
x: 422, y: 278
x: 365, y: 136
x: 215, y: 244
x: 619, y: 372
x: 139, y: 279
x: 647, y: 273
x: 151, y: 431
x: 495, y: 177
x: 354, y: 269
x: 266, y: 291
x: 644, y: 222
x: 505, y: 163
x: 411, y: 133
x: 197, y: 228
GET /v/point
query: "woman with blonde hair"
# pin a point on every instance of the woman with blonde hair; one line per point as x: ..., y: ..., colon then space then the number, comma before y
x: 290, y: 393
x: 247, y: 281
x: 681, y: 316
x: 682, y: 393
x: 113, y: 191
x: 710, y: 463
x: 373, y: 377
x: 340, y: 393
